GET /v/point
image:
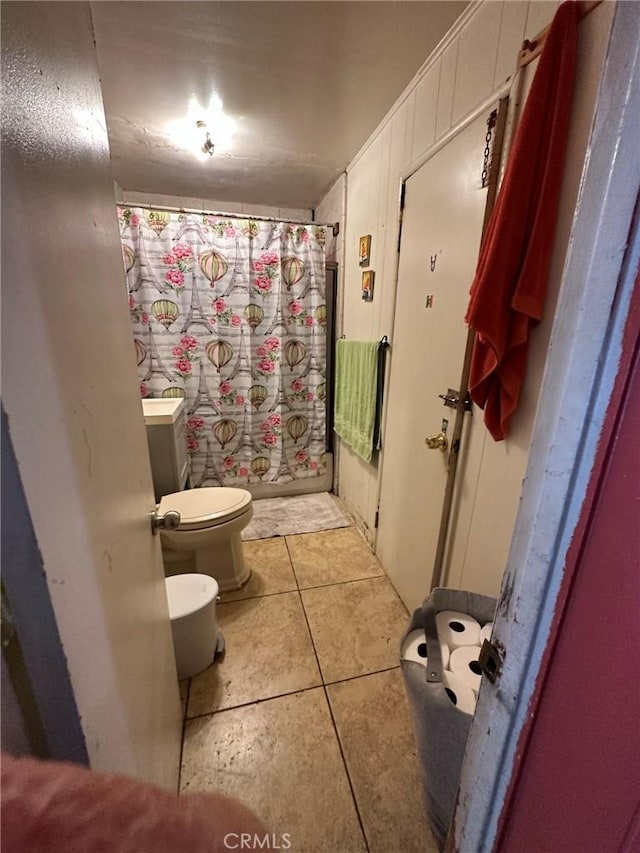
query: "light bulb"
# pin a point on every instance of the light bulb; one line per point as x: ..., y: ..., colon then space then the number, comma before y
x: 188, y: 132
x: 208, y: 146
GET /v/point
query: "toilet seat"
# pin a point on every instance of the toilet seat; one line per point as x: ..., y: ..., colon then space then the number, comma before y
x: 205, y: 508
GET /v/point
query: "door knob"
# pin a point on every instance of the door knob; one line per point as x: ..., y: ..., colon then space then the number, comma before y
x: 169, y: 521
x: 437, y: 442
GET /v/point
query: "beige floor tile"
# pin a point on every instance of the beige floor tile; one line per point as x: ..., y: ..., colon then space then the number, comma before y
x: 268, y: 652
x: 373, y: 723
x: 356, y: 627
x: 271, y: 570
x: 331, y: 556
x: 281, y: 758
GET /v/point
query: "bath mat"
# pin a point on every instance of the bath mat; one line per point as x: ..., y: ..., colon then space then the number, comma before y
x: 296, y: 514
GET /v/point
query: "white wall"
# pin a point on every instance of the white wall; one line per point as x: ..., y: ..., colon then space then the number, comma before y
x: 473, y: 60
x: 333, y: 209
x: 284, y: 213
x: 70, y: 390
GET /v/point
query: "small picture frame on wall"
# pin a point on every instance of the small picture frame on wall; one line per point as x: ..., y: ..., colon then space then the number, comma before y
x: 368, y: 277
x: 364, y: 251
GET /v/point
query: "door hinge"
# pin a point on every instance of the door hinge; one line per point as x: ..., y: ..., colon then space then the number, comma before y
x: 377, y: 518
x: 491, y: 660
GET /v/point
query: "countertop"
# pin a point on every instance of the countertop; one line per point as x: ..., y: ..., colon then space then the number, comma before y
x: 162, y: 411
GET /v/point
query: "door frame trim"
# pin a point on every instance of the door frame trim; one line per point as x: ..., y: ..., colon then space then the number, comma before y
x: 331, y: 291
x: 36, y: 664
x: 490, y: 101
x: 584, y: 360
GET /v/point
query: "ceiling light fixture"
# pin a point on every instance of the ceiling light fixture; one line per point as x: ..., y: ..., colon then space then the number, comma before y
x: 204, y: 129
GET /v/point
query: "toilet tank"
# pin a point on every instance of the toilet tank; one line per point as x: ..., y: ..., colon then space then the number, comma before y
x: 165, y: 420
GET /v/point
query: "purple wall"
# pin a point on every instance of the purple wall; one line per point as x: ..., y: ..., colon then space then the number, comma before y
x: 578, y: 784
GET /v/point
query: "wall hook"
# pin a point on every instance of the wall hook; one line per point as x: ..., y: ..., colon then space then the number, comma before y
x: 432, y: 262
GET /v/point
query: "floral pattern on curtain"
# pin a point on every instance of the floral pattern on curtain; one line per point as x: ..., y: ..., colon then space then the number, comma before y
x: 231, y: 314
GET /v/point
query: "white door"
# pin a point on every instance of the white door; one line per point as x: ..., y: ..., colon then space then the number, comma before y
x: 70, y: 391
x: 442, y: 222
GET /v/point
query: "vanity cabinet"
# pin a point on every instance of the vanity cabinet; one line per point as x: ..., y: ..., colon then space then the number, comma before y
x: 165, y: 420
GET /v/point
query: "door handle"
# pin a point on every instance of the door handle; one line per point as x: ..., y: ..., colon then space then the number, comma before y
x: 437, y: 442
x: 169, y: 521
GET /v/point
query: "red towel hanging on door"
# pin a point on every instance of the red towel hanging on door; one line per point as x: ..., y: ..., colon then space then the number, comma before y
x: 508, y: 291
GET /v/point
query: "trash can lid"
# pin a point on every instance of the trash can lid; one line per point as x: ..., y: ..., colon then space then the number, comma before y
x: 188, y: 593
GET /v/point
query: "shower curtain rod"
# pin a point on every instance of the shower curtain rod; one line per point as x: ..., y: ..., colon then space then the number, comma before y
x: 169, y: 209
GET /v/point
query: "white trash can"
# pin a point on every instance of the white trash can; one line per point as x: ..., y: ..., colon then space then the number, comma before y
x: 194, y: 624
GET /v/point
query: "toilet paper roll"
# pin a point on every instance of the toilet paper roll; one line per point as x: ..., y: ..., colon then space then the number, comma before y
x: 485, y: 632
x: 457, y: 629
x: 414, y: 647
x: 464, y: 662
x: 459, y: 693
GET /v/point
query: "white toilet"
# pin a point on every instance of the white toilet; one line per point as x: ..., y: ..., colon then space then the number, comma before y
x: 208, y: 540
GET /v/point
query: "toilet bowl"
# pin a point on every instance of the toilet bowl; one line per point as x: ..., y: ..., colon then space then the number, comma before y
x: 208, y: 540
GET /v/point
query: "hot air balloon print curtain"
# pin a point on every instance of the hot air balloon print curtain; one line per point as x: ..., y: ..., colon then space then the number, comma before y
x: 231, y: 315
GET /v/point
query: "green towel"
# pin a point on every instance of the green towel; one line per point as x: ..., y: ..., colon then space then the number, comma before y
x: 355, y: 398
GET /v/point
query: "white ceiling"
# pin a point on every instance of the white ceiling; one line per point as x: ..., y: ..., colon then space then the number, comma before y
x: 306, y: 83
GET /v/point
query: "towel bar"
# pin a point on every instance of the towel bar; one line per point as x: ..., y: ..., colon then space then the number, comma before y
x: 384, y: 341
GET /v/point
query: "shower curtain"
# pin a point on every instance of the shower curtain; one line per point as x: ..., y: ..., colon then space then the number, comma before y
x: 231, y: 315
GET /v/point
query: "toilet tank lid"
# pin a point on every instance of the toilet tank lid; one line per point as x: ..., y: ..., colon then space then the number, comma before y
x: 189, y: 593
x: 211, y: 504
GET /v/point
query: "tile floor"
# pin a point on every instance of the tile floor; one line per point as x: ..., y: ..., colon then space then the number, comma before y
x: 305, y: 719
